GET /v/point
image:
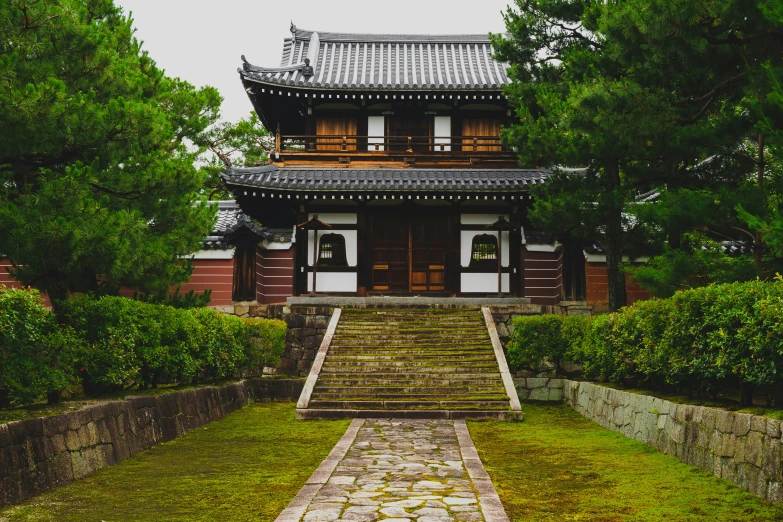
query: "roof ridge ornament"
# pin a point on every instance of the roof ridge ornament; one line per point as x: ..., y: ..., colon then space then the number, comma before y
x: 307, y: 70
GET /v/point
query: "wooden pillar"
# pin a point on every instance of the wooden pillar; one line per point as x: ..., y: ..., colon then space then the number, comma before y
x: 516, y: 280
x: 300, y: 258
x: 364, y: 250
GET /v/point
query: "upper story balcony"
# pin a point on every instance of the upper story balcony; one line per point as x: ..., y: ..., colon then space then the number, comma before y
x: 351, y: 150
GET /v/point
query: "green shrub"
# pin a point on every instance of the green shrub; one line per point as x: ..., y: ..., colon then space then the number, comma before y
x: 220, y: 350
x: 699, y: 339
x: 34, y: 352
x: 542, y: 337
x: 264, y: 342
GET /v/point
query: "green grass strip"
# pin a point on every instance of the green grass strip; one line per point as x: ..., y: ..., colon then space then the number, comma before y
x: 246, y: 466
x: 557, y: 465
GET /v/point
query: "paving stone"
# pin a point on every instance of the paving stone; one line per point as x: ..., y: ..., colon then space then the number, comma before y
x: 399, y: 470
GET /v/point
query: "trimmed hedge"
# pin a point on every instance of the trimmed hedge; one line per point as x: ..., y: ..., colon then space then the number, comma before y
x: 700, y: 339
x: 34, y: 351
x: 110, y: 342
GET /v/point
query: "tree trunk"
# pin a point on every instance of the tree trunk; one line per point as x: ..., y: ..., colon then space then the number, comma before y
x: 53, y: 397
x: 757, y: 244
x: 57, y: 291
x: 613, y: 246
x: 779, y: 395
x: 746, y: 394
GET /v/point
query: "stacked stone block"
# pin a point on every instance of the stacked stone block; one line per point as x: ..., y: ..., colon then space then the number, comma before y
x: 539, y: 389
x: 741, y: 448
x: 39, y: 454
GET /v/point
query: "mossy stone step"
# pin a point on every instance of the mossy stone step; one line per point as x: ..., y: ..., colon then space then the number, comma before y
x: 413, y: 389
x: 324, y: 413
x: 414, y: 366
x: 347, y: 396
x: 346, y: 381
x: 430, y: 362
x: 409, y: 404
x: 422, y: 356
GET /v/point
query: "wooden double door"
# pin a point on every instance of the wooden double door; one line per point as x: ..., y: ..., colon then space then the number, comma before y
x: 409, y: 254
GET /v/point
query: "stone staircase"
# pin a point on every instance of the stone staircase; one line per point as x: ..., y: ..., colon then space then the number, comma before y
x: 411, y: 363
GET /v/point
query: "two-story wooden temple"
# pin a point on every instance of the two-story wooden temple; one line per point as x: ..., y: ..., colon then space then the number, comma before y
x: 387, y: 150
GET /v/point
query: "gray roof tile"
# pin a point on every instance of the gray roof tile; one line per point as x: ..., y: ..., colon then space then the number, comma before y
x: 386, y: 180
x: 385, y: 61
x: 230, y: 218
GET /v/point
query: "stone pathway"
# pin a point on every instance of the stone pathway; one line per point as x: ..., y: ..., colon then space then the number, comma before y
x: 399, y: 470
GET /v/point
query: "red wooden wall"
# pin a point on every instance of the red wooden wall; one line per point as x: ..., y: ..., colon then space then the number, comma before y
x: 5, y: 277
x: 216, y: 274
x: 543, y: 277
x: 598, y: 285
x: 274, y: 275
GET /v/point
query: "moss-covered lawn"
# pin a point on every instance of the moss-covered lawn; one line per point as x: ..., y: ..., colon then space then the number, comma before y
x: 246, y: 466
x: 557, y: 465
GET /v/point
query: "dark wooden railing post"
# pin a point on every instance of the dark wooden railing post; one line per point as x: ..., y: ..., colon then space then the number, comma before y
x: 278, y: 141
x: 475, y: 142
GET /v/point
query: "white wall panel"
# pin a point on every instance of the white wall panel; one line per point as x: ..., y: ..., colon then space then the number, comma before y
x: 481, y: 219
x: 376, y: 126
x: 466, y: 242
x: 442, y: 132
x: 481, y: 283
x: 336, y: 282
x: 351, y: 245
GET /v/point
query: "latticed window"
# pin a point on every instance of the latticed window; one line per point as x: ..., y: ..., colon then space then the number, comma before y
x: 484, y: 252
x: 332, y: 250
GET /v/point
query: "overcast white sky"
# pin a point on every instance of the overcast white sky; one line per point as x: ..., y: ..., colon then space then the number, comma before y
x: 201, y: 41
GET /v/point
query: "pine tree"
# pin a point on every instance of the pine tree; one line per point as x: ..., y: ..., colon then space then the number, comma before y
x: 97, y: 152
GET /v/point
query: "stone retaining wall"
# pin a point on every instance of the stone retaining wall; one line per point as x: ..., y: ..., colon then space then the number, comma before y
x: 39, y: 454
x: 540, y: 389
x: 306, y: 328
x: 741, y: 448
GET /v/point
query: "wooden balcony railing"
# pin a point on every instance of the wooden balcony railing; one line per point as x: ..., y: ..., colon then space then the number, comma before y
x: 387, y: 144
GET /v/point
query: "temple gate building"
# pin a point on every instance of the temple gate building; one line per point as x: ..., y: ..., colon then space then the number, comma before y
x: 391, y: 143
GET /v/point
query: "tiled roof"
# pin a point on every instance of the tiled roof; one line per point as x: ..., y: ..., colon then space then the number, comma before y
x: 228, y: 211
x: 399, y: 62
x: 386, y: 180
x: 230, y: 219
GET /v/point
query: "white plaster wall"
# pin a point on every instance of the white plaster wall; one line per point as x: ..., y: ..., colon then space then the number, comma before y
x: 376, y: 126
x: 335, y: 218
x: 442, y: 131
x: 214, y: 254
x: 335, y: 282
x: 351, y: 245
x: 466, y: 242
x: 274, y: 245
x: 351, y: 236
x: 483, y: 283
x: 481, y: 219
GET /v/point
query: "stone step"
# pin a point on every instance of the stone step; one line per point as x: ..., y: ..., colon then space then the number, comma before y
x: 494, y: 388
x: 409, y: 404
x: 407, y: 367
x: 410, y: 350
x: 423, y: 357
x: 341, y: 338
x: 348, y: 395
x: 324, y: 413
x: 402, y: 381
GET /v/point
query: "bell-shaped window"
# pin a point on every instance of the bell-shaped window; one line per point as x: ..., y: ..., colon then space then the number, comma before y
x: 484, y: 252
x: 331, y: 250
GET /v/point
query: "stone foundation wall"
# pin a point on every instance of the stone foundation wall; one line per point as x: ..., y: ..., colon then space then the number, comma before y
x: 741, y: 448
x: 306, y: 328
x: 539, y: 389
x: 503, y: 316
x: 40, y: 454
